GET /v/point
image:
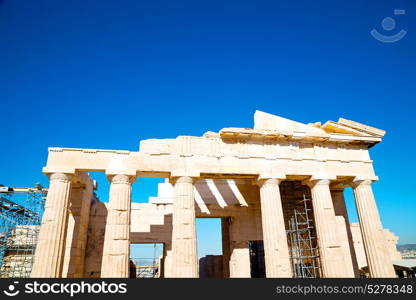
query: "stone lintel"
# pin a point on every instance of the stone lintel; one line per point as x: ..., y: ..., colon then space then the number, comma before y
x: 185, y: 173
x: 152, y: 174
x: 317, y: 177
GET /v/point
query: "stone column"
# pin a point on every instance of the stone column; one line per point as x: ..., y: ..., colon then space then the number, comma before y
x: 378, y: 260
x: 184, y: 251
x: 116, y: 253
x: 51, y: 241
x: 330, y: 251
x: 276, y: 250
x: 239, y: 250
x: 240, y: 260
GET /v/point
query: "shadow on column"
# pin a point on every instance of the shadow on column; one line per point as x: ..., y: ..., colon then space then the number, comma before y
x: 95, y: 242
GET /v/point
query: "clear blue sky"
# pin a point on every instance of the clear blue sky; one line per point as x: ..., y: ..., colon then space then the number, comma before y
x: 106, y: 74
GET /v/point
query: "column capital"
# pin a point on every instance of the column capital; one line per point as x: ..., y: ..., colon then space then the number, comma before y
x: 271, y: 175
x: 50, y: 171
x: 128, y: 172
x: 268, y: 181
x: 314, y: 182
x: 182, y: 179
x: 361, y: 182
x: 63, y: 177
x: 121, y: 179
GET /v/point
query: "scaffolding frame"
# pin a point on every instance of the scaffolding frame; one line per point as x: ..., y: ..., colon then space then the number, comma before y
x: 303, y: 252
x: 21, y: 211
x: 147, y: 267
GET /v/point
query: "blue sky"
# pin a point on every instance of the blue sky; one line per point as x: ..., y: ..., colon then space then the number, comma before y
x: 106, y: 74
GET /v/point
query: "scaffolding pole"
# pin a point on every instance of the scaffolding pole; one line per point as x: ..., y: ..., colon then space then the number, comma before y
x: 21, y: 211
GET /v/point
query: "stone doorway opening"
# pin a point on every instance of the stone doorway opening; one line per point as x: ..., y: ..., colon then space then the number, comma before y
x: 210, y: 249
x: 300, y: 229
x: 146, y: 260
x: 257, y: 264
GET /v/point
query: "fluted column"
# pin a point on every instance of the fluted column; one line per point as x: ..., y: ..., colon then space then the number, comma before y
x: 330, y: 251
x: 184, y: 251
x: 379, y: 262
x: 276, y: 251
x: 51, y: 241
x: 116, y: 252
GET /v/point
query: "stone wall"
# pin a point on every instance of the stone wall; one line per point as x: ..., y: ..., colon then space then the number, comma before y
x: 211, y: 266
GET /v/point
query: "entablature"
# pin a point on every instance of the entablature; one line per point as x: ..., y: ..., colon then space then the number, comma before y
x: 274, y: 146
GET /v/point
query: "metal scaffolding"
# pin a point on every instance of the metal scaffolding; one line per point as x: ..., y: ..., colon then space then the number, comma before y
x: 21, y: 211
x: 146, y: 267
x: 302, y: 242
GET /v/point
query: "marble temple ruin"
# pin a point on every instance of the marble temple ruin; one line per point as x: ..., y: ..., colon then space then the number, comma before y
x: 280, y: 183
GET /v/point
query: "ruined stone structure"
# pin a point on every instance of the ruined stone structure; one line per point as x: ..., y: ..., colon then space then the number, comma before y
x: 17, y: 260
x: 255, y: 180
x: 357, y: 238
